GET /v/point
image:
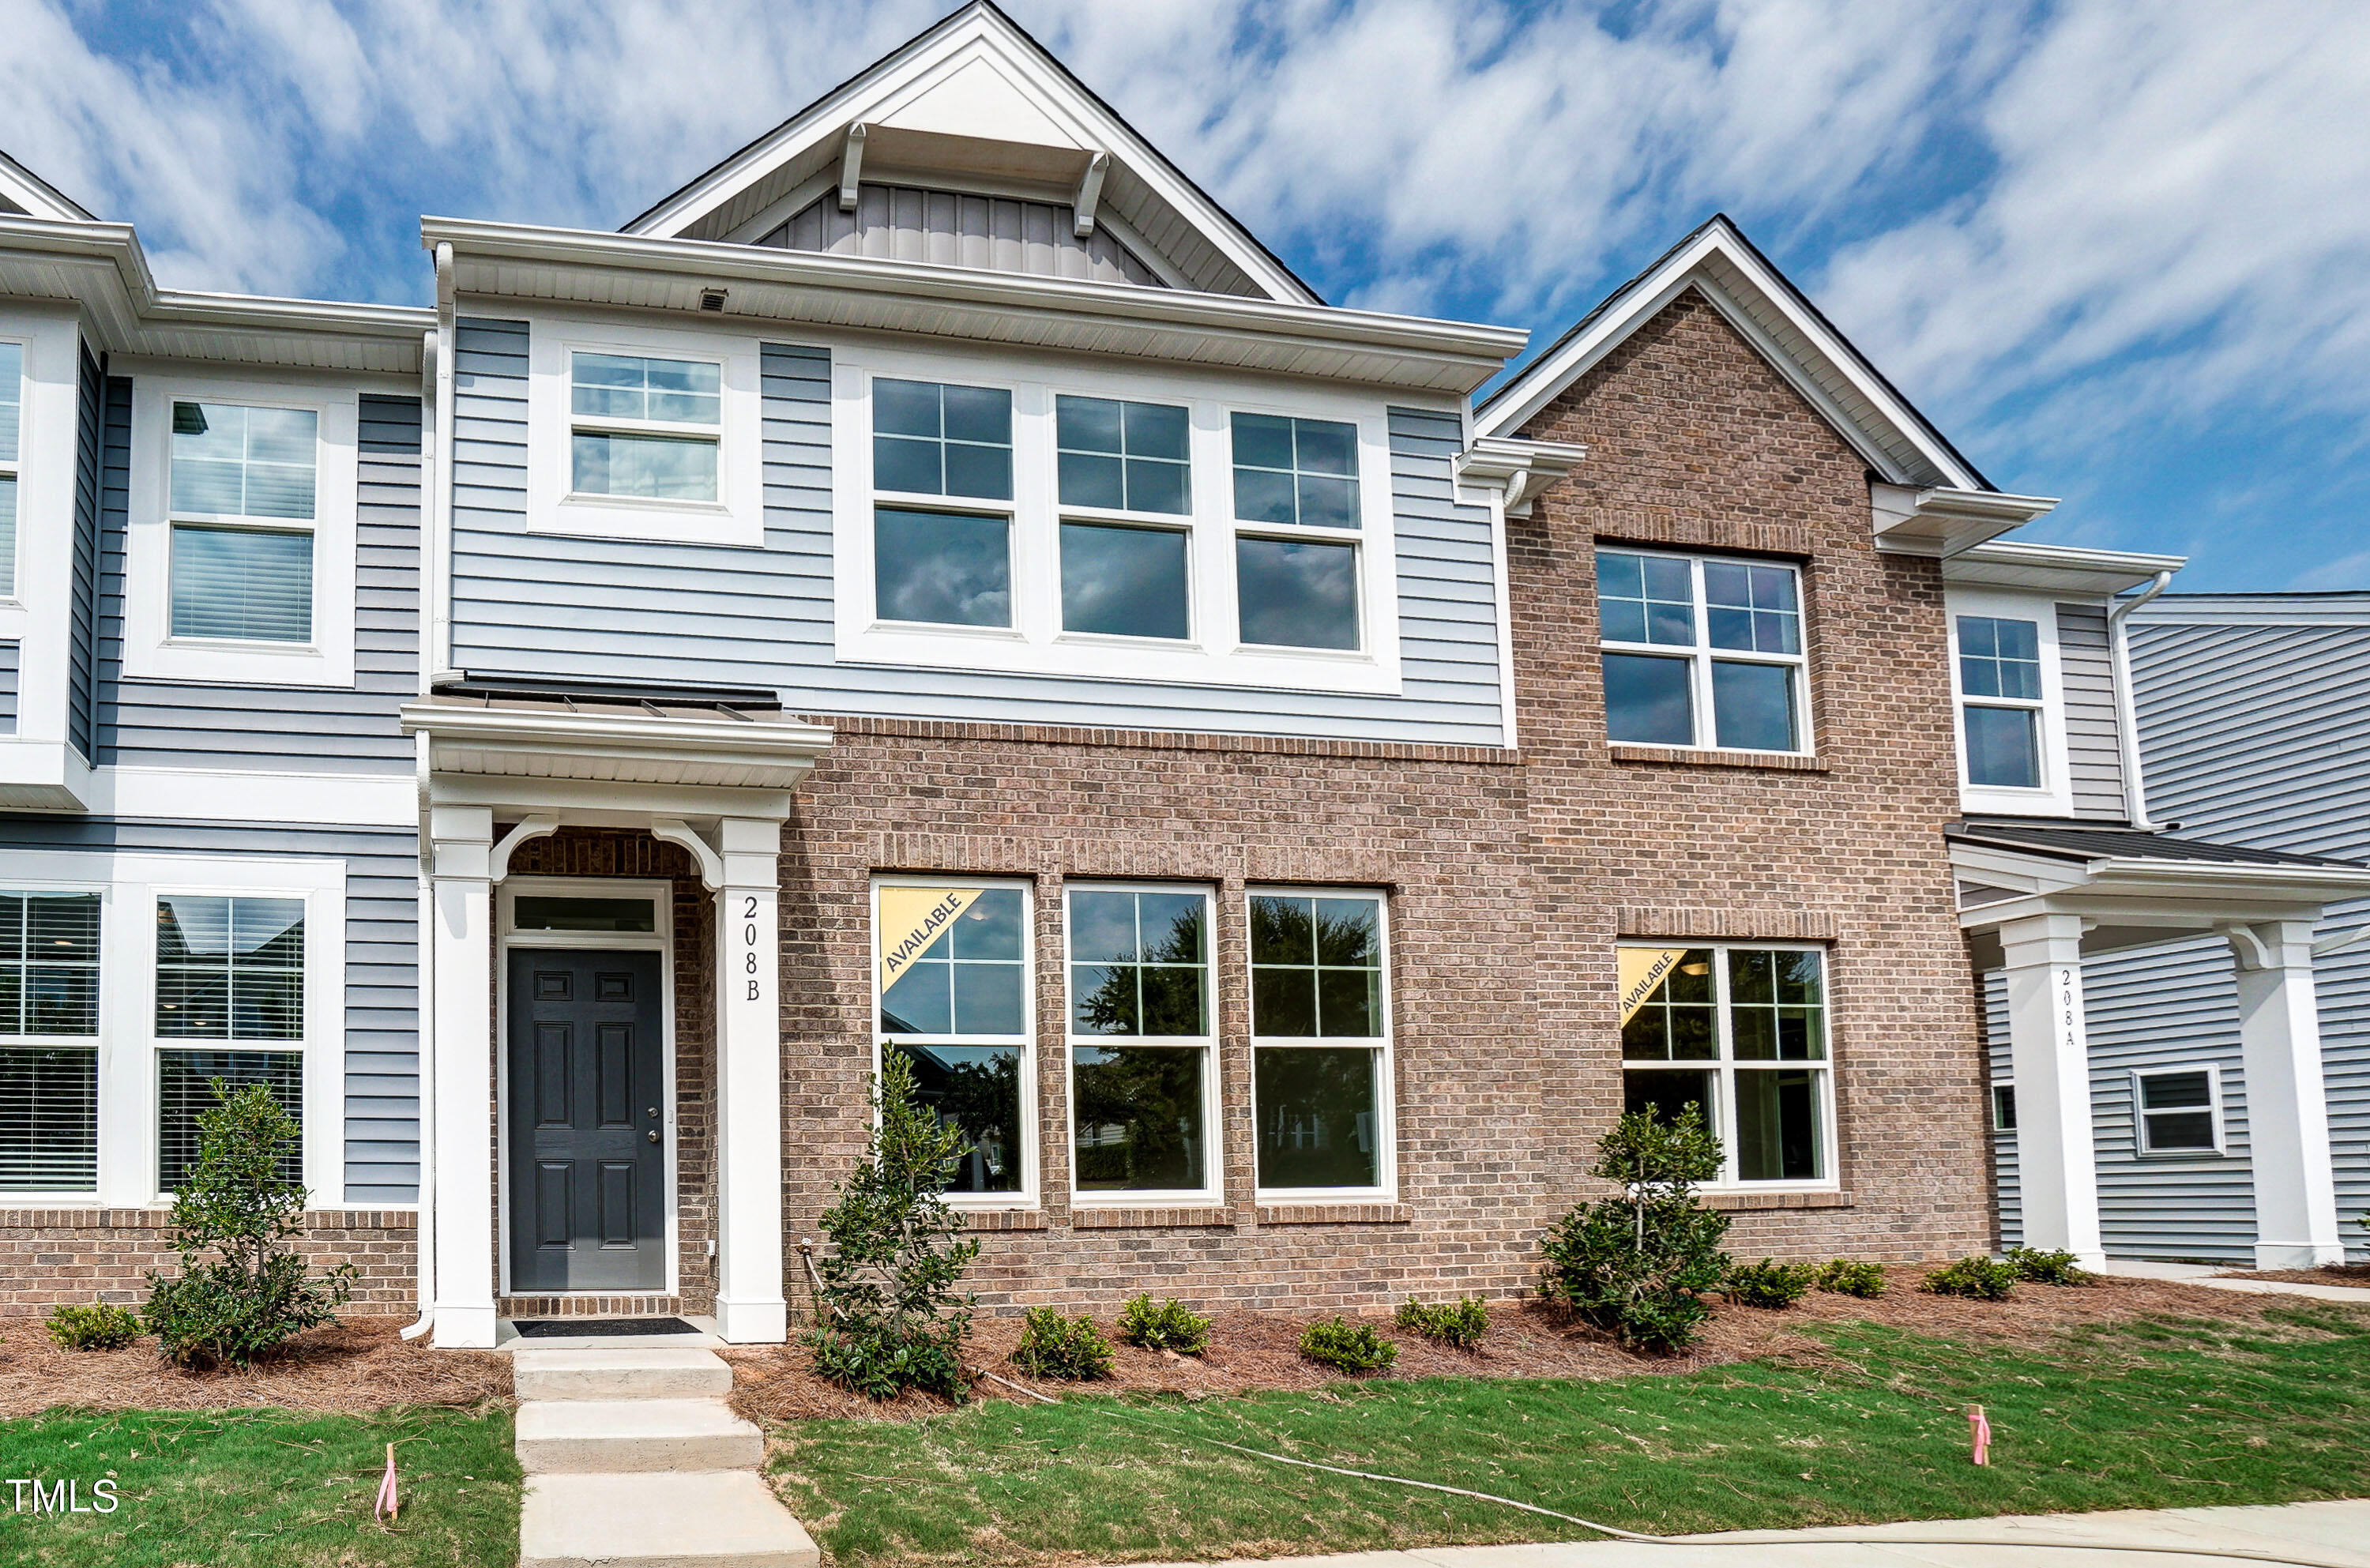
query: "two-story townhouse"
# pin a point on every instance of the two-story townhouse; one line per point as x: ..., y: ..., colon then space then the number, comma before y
x: 936, y: 584
x: 2252, y: 720
x: 209, y: 557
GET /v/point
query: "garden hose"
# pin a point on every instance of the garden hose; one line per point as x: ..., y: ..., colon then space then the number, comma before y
x: 1660, y: 1540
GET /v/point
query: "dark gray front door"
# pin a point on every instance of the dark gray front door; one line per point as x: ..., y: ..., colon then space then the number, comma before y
x: 587, y: 1150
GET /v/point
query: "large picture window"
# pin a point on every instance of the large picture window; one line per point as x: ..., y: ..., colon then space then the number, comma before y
x: 1701, y: 653
x: 1740, y: 1033
x: 1142, y: 1076
x: 951, y: 966
x: 931, y: 565
x: 12, y: 409
x: 230, y: 1004
x: 242, y: 493
x: 1320, y: 1036
x: 49, y: 1042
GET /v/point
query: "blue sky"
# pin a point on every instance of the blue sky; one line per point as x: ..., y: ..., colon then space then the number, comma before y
x: 2118, y: 249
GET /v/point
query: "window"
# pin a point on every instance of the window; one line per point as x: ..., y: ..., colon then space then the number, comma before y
x: 2177, y: 1110
x: 1141, y: 1075
x: 230, y: 972
x: 1687, y: 640
x: 643, y: 428
x: 49, y: 1042
x: 242, y: 496
x: 1740, y: 1033
x: 932, y: 565
x: 12, y: 408
x: 1320, y: 1034
x: 1300, y: 475
x: 529, y: 913
x: 2003, y: 1107
x: 2000, y: 694
x: 1120, y: 457
x: 952, y: 963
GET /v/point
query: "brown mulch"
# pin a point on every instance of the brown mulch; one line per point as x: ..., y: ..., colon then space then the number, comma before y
x: 2355, y: 1274
x: 358, y: 1364
x: 1252, y: 1352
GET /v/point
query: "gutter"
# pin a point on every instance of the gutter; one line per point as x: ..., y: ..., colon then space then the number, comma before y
x: 2127, y: 700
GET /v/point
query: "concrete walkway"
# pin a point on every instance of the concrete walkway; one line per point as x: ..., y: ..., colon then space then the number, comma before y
x: 2215, y: 1279
x: 2315, y: 1534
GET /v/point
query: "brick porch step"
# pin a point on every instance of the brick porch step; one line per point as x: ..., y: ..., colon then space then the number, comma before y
x: 677, y: 1519
x: 631, y: 1372
x: 608, y: 1438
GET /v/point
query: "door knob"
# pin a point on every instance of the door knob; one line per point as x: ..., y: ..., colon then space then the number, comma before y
x: 654, y: 1138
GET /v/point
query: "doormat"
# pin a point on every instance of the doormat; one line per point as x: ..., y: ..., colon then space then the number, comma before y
x: 594, y: 1327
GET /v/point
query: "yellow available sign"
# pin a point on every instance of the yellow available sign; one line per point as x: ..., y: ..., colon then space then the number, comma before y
x: 913, y: 921
x: 1644, y: 970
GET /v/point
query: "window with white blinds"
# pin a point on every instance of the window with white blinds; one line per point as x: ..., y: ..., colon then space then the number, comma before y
x: 185, y: 1086
x: 228, y: 969
x: 49, y: 1042
x: 243, y: 495
x: 12, y: 408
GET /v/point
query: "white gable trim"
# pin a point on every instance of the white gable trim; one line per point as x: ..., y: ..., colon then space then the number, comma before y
x: 974, y: 72
x: 1768, y: 312
x: 29, y: 193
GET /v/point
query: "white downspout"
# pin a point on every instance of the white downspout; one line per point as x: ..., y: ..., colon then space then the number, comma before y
x: 2127, y: 700
x: 436, y: 655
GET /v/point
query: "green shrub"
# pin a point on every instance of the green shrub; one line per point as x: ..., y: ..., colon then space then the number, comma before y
x: 1169, y: 1326
x: 1348, y: 1348
x: 1460, y: 1324
x: 95, y: 1326
x: 1767, y: 1283
x: 234, y: 1203
x: 1636, y: 1264
x: 1845, y: 1277
x: 888, y: 1317
x: 2046, y: 1268
x: 1056, y: 1346
x: 1982, y: 1278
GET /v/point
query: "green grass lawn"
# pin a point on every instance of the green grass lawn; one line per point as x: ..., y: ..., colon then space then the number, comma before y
x: 262, y: 1488
x: 2146, y: 1415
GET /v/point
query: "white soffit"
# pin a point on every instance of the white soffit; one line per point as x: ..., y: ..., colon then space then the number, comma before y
x: 975, y: 96
x: 2057, y: 568
x: 1770, y: 314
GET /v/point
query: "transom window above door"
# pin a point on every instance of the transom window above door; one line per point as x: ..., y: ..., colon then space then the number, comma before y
x: 1701, y: 653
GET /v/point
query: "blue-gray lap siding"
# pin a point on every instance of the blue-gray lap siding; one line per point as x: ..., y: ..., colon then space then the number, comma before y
x: 282, y: 729
x: 382, y: 1110
x: 11, y: 664
x: 83, y: 628
x: 537, y: 605
x: 2256, y: 735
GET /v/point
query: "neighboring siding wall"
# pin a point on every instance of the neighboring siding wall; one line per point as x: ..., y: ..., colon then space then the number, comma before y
x: 294, y: 728
x: 381, y: 1130
x: 941, y: 228
x: 83, y: 623
x: 10, y: 663
x: 531, y: 603
x: 2094, y: 748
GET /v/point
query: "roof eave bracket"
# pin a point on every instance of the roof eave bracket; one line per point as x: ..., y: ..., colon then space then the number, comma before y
x: 851, y: 166
x: 1090, y: 195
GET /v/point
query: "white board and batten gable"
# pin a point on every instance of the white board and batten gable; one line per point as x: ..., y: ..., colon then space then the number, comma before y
x: 1925, y: 498
x: 976, y: 108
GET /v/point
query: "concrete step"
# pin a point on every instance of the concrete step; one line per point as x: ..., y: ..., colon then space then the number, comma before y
x: 607, y: 1373
x: 620, y: 1436
x: 683, y: 1519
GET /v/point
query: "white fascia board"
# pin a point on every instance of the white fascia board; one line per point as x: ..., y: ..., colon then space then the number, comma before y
x: 546, y: 265
x: 189, y: 794
x: 22, y: 188
x: 2015, y: 563
x: 2212, y: 879
x: 103, y: 268
x: 1516, y: 469
x: 592, y: 747
x: 1514, y: 405
x: 877, y: 94
x: 1944, y: 521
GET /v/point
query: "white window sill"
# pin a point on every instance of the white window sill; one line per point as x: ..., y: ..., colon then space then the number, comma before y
x: 649, y: 521
x: 1146, y: 1201
x: 1077, y: 656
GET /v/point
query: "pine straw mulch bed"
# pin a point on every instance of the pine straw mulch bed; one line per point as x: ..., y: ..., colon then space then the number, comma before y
x: 2353, y: 1274
x: 1253, y: 1352
x: 354, y: 1366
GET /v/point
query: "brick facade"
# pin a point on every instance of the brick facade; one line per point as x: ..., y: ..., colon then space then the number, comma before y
x: 48, y: 1256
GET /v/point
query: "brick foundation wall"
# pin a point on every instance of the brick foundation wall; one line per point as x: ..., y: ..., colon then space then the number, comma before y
x: 49, y: 1256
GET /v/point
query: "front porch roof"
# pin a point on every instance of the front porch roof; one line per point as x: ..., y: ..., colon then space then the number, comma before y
x: 2130, y: 887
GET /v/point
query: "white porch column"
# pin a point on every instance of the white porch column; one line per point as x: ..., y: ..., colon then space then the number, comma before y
x: 2057, y: 1171
x: 749, y: 1309
x: 2288, y: 1112
x: 462, y: 1097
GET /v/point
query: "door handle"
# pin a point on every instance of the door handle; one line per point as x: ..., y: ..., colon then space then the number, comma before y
x: 654, y: 1138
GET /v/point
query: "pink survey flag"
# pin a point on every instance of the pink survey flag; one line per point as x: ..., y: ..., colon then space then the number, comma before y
x: 1975, y: 1419
x: 386, y: 1503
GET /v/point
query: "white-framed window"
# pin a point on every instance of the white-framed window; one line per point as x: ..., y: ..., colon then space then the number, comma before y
x: 1738, y: 1031
x: 1321, y: 1071
x: 2007, y: 688
x: 2178, y: 1111
x: 12, y: 421
x: 989, y: 518
x: 166, y: 972
x: 1142, y: 1043
x: 1702, y: 652
x: 50, y: 946
x: 242, y: 546
x: 954, y: 992
x: 644, y: 433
